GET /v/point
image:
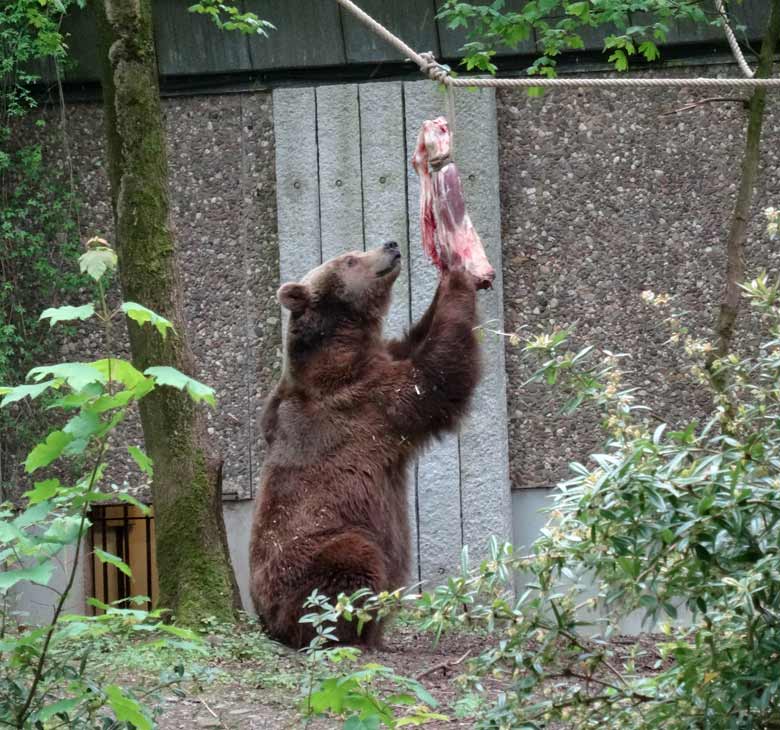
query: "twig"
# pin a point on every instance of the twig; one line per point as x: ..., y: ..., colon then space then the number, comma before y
x: 442, y: 665
x: 214, y: 714
x: 700, y: 102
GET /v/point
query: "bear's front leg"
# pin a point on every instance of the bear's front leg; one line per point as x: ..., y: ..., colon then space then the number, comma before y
x: 403, y: 348
x: 430, y: 390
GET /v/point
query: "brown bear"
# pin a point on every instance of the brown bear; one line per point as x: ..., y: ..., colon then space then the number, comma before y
x: 348, y: 414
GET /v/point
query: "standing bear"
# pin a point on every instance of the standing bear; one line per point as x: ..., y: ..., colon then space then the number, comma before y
x: 349, y: 413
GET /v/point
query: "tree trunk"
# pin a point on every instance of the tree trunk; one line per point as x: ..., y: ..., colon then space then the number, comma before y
x: 735, y: 247
x: 194, y: 568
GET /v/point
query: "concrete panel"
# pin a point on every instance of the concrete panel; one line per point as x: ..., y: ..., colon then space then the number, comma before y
x: 528, y: 519
x: 35, y: 604
x: 384, y: 185
x: 382, y: 139
x: 484, y: 457
x: 341, y: 191
x: 238, y: 524
x: 297, y: 184
x: 527, y: 516
x: 438, y: 470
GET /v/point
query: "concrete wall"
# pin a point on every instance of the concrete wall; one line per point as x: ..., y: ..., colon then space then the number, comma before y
x: 238, y: 524
x: 605, y: 194
x: 34, y: 604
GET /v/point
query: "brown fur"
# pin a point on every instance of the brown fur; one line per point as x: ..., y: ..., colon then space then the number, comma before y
x: 349, y: 413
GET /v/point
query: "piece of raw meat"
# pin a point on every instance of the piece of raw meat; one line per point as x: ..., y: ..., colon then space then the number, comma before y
x: 448, y: 236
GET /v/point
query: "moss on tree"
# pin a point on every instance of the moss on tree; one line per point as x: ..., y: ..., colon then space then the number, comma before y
x: 195, y: 572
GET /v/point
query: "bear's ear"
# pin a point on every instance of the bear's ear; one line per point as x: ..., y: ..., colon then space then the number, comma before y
x: 294, y: 297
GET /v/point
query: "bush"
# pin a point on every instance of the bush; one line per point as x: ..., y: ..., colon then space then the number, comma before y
x: 665, y: 518
x: 47, y: 673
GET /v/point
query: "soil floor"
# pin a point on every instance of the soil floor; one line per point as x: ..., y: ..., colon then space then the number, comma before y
x: 263, y: 689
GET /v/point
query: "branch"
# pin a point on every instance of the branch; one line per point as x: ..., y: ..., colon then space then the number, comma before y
x: 442, y: 665
x: 708, y: 100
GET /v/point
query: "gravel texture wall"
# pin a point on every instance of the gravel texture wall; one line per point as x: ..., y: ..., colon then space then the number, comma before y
x: 223, y: 209
x: 605, y: 194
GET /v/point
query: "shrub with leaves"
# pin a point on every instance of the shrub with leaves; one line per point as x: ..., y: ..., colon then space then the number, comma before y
x: 366, y: 695
x: 46, y: 672
x: 667, y: 517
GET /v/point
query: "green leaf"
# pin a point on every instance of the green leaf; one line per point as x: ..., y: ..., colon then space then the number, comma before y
x: 580, y: 9
x: 165, y: 375
x: 620, y: 60
x: 127, y: 709
x: 27, y: 391
x: 43, y: 491
x: 649, y: 50
x: 56, y: 708
x: 140, y: 458
x: 40, y: 574
x: 32, y: 515
x: 83, y: 426
x: 630, y: 566
x: 68, y: 313
x: 130, y: 499
x: 141, y: 315
x: 43, y: 454
x: 105, y: 557
x: 423, y: 694
x: 97, y: 261
x: 78, y: 375
x: 120, y: 371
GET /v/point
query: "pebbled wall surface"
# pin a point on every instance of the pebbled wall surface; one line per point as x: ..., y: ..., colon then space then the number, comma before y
x: 223, y: 208
x: 605, y: 194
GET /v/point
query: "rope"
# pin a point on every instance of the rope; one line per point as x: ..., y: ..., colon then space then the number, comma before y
x: 732, y: 39
x: 440, y: 73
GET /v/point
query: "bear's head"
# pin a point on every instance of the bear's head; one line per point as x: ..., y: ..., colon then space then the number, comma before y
x: 348, y: 295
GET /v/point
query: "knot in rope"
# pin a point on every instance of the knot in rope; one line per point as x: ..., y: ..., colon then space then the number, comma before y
x: 433, y: 69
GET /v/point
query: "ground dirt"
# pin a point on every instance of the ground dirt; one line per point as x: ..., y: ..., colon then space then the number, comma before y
x: 254, y: 684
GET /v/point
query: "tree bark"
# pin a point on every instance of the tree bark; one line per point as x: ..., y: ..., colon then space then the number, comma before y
x: 735, y: 246
x: 195, y: 573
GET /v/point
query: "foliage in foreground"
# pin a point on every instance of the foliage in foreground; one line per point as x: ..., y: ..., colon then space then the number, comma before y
x: 664, y: 519
x: 47, y: 673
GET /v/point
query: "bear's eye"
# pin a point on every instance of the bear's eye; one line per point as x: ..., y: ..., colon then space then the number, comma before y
x: 351, y: 261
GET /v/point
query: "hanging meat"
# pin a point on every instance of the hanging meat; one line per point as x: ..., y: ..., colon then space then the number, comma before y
x: 448, y: 235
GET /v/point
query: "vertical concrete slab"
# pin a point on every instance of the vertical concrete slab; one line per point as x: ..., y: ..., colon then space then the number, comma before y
x: 341, y: 192
x: 438, y: 470
x: 238, y: 525
x: 297, y: 184
x: 382, y: 140
x: 384, y: 184
x: 36, y: 603
x: 484, y: 455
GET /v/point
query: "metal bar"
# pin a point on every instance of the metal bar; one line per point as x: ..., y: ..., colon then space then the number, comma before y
x: 93, y: 587
x: 105, y: 549
x: 126, y: 556
x: 149, y: 559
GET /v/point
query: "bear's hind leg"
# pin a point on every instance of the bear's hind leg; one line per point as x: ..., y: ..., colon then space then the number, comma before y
x: 345, y: 564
